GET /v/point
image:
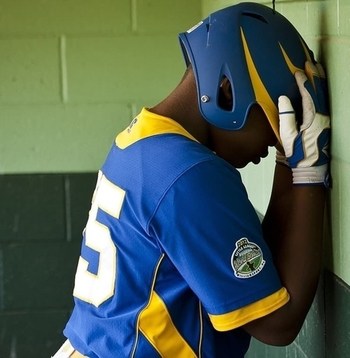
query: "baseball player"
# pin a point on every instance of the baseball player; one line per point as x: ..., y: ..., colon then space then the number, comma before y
x: 174, y: 260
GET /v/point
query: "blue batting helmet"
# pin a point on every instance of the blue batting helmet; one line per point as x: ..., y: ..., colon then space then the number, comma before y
x: 257, y: 49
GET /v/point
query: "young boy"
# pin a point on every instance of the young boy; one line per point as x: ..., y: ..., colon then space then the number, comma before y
x: 174, y: 260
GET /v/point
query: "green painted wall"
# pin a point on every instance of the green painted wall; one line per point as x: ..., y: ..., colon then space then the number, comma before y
x: 73, y: 73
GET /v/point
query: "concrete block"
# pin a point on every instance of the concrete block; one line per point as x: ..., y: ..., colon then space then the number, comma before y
x: 38, y: 276
x: 336, y: 52
x: 40, y: 17
x: 344, y: 18
x: 337, y: 317
x: 121, y: 69
x: 296, y: 13
x: 71, y: 138
x: 322, y: 17
x: 79, y: 189
x: 167, y: 16
x: 29, y: 71
x: 342, y: 268
x: 31, y: 334
x: 34, y: 209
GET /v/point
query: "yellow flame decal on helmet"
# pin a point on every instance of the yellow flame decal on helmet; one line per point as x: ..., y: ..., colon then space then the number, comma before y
x: 308, y: 69
x: 307, y: 52
x: 261, y: 94
x: 291, y: 66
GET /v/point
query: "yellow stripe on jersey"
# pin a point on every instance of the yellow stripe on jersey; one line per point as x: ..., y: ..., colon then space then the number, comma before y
x: 156, y: 325
x: 250, y: 312
x: 148, y: 124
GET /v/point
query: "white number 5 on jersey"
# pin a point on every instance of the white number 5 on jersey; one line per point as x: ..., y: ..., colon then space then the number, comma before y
x: 97, y: 288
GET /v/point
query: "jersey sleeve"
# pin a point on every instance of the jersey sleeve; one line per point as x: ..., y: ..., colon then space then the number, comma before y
x: 207, y: 226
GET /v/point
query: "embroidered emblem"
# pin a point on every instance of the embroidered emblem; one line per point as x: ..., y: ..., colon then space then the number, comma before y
x: 247, y: 259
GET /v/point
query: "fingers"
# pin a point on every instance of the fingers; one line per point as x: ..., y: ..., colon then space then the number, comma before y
x: 301, y: 79
x: 307, y: 93
x: 288, y: 126
x: 285, y: 108
x: 311, y: 71
x: 321, y: 71
x: 318, y: 91
x: 305, y: 146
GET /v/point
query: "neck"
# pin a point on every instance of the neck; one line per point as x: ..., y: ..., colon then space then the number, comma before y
x: 182, y: 106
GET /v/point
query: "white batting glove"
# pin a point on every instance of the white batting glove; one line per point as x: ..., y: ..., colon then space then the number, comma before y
x: 307, y: 148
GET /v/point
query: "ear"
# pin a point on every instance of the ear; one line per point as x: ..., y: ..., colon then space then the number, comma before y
x: 225, y: 94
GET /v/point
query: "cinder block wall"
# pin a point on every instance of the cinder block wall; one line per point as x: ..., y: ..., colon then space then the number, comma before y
x: 325, y: 26
x: 72, y: 74
x: 41, y: 220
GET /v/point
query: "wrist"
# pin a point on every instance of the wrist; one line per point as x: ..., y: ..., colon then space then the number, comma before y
x: 281, y: 158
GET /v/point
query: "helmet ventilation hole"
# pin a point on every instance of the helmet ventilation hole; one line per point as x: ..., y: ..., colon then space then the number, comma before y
x: 255, y: 16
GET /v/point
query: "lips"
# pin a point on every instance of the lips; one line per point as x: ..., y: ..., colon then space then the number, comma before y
x: 256, y: 160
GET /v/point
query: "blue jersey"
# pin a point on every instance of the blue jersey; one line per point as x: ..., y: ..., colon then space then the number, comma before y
x: 173, y: 260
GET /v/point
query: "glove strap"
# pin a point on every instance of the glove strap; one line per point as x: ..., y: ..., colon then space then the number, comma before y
x: 312, y: 176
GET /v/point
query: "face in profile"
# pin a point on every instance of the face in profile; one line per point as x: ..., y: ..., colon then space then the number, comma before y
x: 249, y: 144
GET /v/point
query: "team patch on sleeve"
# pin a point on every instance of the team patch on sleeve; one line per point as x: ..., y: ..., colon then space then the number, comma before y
x: 247, y: 259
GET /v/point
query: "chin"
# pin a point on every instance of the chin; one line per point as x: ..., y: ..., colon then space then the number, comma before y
x: 239, y: 165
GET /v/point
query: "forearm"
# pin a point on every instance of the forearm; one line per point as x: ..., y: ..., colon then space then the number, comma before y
x: 293, y: 227
x: 277, y: 214
x: 298, y: 249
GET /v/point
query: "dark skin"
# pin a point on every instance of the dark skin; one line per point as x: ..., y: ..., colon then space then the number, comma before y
x: 293, y: 224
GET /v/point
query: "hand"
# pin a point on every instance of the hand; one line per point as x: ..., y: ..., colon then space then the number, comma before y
x: 307, y: 148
